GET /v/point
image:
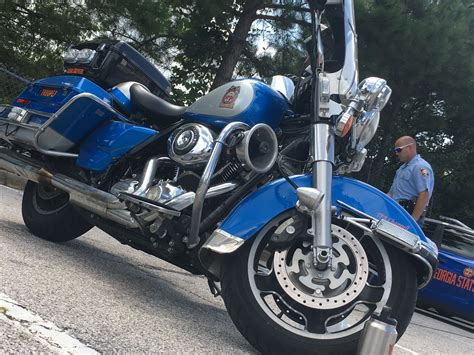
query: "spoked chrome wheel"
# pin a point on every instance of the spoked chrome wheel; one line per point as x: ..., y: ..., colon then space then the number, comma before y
x: 281, y: 303
x: 314, y: 303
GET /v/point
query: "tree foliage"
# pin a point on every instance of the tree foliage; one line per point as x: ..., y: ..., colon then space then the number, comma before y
x: 423, y: 48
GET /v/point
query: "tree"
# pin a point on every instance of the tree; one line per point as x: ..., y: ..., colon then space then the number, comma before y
x: 423, y: 50
x: 230, y: 31
x: 34, y: 34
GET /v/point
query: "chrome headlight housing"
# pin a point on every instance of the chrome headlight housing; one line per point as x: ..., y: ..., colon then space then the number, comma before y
x: 375, y: 93
x: 366, y: 126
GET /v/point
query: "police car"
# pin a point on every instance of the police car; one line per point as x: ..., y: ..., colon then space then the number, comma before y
x: 451, y: 291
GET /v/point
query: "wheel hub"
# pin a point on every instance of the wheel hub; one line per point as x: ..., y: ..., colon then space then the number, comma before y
x: 332, y: 288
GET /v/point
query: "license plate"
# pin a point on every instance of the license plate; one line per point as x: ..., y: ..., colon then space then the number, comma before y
x: 48, y: 92
x: 79, y: 71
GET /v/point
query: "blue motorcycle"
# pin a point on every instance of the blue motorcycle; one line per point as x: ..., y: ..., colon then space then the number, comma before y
x: 245, y: 186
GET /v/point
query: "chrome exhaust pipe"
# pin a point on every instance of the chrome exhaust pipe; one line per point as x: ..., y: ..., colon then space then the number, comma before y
x: 21, y: 165
x: 89, y: 198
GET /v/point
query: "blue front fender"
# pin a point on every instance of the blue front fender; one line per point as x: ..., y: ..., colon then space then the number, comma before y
x: 278, y: 196
x: 257, y: 209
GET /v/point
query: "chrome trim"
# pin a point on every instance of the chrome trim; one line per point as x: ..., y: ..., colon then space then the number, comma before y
x: 283, y: 85
x: 358, y: 223
x: 429, y: 269
x: 221, y: 189
x: 202, y: 142
x: 405, y: 239
x: 182, y: 201
x: 91, y: 199
x: 455, y: 221
x: 18, y: 124
x: 322, y: 143
x: 201, y: 191
x: 222, y: 242
x: 187, y: 199
x: 456, y: 227
x: 247, y: 156
x: 21, y: 166
x: 355, y: 210
x: 344, y: 82
x: 321, y: 217
x: 322, y: 147
x: 149, y: 205
x: 85, y: 194
x: 148, y: 175
x: 55, y: 115
x: 421, y: 251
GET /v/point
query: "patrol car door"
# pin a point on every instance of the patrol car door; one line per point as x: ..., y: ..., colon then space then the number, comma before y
x: 454, y: 276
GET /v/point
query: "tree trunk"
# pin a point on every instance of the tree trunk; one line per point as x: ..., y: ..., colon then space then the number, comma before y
x: 387, y: 127
x: 236, y: 43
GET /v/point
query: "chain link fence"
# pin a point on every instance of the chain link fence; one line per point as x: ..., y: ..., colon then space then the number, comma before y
x: 11, y: 84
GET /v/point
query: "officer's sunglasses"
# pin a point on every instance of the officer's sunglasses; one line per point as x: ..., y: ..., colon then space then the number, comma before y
x: 399, y: 149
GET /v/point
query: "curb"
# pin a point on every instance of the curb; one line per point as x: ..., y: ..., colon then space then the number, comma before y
x: 11, y: 180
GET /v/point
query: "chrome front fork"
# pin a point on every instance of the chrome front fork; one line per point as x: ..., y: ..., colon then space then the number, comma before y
x: 322, y: 136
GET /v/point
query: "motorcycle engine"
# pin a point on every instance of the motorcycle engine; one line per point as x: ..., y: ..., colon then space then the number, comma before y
x: 191, y: 145
x: 162, y: 192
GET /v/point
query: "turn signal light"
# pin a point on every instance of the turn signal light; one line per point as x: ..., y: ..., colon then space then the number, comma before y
x: 23, y: 101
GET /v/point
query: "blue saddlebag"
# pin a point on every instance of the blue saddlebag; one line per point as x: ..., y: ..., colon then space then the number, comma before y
x: 56, y: 113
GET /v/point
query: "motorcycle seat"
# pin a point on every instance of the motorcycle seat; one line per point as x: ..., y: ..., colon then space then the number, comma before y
x: 159, y: 110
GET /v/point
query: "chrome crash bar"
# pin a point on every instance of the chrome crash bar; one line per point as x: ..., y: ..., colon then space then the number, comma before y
x: 193, y: 239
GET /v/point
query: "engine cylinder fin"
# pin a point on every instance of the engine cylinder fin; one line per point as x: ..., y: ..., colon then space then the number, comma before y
x: 230, y: 171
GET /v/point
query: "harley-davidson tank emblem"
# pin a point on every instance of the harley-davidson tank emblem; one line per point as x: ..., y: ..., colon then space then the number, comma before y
x: 230, y: 96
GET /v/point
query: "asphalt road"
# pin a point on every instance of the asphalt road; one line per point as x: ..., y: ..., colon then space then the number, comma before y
x: 112, y: 299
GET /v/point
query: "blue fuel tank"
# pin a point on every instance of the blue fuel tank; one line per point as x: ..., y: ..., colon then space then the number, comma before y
x: 248, y: 100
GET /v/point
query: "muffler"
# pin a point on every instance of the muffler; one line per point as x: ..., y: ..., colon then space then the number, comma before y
x: 87, y: 197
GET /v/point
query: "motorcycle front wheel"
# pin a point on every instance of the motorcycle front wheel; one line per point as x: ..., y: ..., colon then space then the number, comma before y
x: 280, y: 303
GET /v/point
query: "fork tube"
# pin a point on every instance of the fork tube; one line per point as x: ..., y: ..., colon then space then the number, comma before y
x: 323, y: 157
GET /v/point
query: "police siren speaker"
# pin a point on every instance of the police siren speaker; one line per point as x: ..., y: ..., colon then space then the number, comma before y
x: 258, y: 149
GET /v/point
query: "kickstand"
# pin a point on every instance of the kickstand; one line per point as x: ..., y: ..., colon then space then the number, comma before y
x: 215, y: 289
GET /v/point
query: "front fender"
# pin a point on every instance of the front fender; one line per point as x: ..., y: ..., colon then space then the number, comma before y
x: 257, y: 209
x: 278, y: 196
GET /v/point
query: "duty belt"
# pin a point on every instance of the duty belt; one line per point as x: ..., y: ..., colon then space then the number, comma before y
x: 408, y: 205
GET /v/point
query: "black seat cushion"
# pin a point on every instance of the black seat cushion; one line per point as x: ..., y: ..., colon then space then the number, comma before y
x: 160, y: 111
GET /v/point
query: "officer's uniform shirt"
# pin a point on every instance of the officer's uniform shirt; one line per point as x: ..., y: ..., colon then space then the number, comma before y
x: 412, y: 178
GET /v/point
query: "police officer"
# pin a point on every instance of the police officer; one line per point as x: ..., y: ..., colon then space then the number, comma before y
x: 413, y: 184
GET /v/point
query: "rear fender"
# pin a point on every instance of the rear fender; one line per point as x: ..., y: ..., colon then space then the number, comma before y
x: 257, y: 209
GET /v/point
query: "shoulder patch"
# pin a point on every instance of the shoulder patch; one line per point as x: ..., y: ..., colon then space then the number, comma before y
x: 424, y: 172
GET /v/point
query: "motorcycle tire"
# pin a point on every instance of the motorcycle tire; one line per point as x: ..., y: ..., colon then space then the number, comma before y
x: 269, y: 335
x: 48, y: 214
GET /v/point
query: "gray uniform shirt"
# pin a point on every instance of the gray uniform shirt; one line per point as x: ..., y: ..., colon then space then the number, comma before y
x: 412, y: 178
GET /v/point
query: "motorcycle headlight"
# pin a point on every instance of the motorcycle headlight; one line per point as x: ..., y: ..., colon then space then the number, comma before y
x: 85, y: 55
x: 375, y: 92
x: 70, y: 56
x: 366, y: 127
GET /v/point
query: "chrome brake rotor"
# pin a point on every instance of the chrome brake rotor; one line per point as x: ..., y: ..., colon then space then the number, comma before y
x: 328, y: 289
